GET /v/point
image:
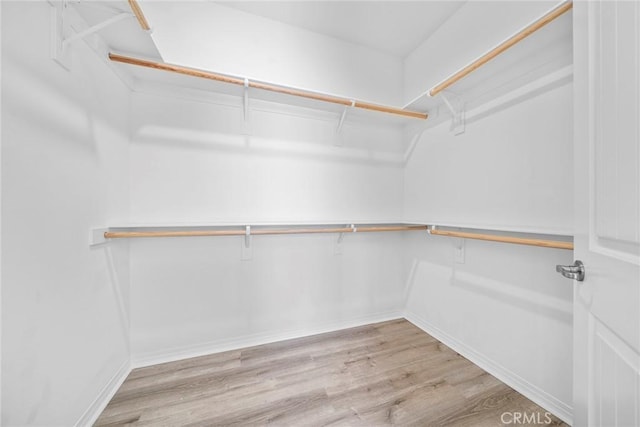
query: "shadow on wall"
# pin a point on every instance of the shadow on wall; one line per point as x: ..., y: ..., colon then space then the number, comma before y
x: 426, y: 278
x: 184, y: 138
x: 492, y: 108
x: 62, y: 114
x: 515, y: 296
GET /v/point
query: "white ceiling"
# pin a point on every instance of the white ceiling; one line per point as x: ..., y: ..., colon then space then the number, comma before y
x: 394, y: 27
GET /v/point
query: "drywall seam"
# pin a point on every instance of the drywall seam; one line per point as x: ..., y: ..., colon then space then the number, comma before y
x: 561, y: 409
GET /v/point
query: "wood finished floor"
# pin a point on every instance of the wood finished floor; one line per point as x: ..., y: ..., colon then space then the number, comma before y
x: 384, y: 374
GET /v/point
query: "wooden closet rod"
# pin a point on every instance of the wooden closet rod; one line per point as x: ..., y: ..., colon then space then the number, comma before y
x: 208, y: 233
x: 364, y: 229
x: 137, y: 11
x: 553, y: 14
x: 505, y: 239
x: 264, y: 86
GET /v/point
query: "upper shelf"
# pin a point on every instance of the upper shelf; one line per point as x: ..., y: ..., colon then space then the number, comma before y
x: 542, y: 47
x: 236, y: 86
x: 535, y: 52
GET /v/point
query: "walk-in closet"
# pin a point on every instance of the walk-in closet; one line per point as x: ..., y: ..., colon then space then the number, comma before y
x: 314, y: 213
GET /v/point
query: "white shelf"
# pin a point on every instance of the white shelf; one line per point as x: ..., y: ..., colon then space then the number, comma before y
x: 100, y: 236
x: 540, y: 54
x: 539, y: 231
x: 145, y: 74
x: 257, y: 223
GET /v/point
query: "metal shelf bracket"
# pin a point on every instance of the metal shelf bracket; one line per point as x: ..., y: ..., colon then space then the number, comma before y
x: 247, y: 250
x: 246, y: 124
x: 338, y: 140
x: 456, y: 106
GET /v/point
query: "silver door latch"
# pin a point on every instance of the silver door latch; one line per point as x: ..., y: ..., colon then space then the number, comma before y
x: 575, y: 271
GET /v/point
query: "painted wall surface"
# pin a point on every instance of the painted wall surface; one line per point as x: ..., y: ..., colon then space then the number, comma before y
x: 250, y: 46
x: 504, y: 306
x: 474, y: 29
x: 511, y: 169
x: 72, y: 160
x: 190, y: 163
x: 64, y: 170
x: 197, y: 296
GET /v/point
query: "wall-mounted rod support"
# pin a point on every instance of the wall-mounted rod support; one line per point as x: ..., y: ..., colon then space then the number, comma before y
x: 504, y: 239
x: 265, y: 86
x: 137, y: 11
x: 246, y: 100
x: 519, y: 36
x: 247, y: 236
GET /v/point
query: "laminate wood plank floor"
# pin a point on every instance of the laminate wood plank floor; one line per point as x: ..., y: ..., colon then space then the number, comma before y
x: 384, y: 374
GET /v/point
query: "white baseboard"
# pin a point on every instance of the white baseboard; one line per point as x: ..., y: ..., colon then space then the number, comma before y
x: 522, y: 386
x: 106, y: 394
x: 180, y: 353
x: 545, y: 400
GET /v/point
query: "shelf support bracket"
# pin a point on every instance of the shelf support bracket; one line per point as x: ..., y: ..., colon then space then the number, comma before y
x: 337, y: 249
x: 341, y: 121
x: 64, y: 33
x: 456, y: 106
x: 344, y: 115
x: 413, y: 143
x: 338, y: 245
x: 247, y: 249
x: 58, y: 28
x: 245, y: 108
x: 247, y: 236
x: 82, y: 34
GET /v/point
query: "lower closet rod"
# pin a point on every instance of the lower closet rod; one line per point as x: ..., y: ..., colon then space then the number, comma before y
x: 504, y: 239
x: 205, y: 233
x: 364, y: 229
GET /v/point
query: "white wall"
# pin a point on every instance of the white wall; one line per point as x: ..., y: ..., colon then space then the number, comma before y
x: 191, y: 164
x: 196, y: 296
x: 474, y: 29
x: 505, y: 307
x: 64, y: 170
x: 218, y: 38
x: 511, y: 169
x: 67, y: 166
x: 0, y: 221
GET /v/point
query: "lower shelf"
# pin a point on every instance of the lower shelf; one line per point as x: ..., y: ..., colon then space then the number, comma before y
x: 103, y: 235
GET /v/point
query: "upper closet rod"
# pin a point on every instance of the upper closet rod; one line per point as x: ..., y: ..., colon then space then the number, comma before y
x: 504, y: 239
x: 265, y: 86
x: 137, y: 11
x: 535, y: 26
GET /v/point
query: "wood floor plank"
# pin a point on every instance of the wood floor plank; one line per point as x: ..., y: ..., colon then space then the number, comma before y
x: 385, y: 374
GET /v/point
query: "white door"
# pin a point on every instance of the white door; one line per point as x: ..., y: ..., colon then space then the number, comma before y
x: 607, y: 212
